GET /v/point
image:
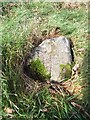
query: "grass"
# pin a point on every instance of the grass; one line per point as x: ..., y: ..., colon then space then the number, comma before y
x: 19, y: 23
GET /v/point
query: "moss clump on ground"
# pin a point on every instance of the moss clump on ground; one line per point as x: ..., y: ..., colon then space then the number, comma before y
x: 38, y: 70
x: 65, y: 71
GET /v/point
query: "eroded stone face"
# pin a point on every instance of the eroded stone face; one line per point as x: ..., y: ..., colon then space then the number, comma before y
x: 53, y: 53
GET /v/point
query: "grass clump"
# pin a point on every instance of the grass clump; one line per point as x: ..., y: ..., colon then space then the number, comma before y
x: 38, y: 70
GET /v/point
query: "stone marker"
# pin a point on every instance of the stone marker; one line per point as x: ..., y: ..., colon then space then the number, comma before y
x: 56, y: 55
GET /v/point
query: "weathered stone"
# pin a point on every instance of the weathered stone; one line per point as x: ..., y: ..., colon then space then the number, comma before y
x: 54, y: 53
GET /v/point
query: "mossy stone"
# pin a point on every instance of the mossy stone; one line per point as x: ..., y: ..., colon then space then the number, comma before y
x: 38, y: 70
x: 65, y: 71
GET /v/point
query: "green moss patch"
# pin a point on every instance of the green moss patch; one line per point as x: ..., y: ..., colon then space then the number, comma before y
x: 65, y: 71
x: 38, y: 70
